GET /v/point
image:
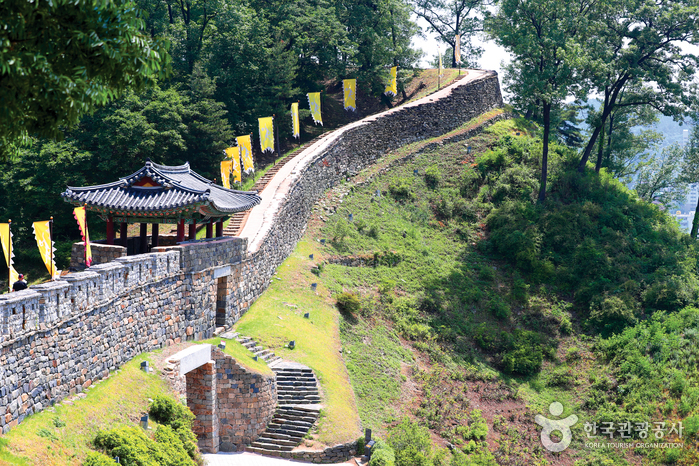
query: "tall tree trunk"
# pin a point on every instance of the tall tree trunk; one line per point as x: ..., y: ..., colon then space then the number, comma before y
x: 695, y: 223
x: 609, y: 106
x: 600, y: 152
x: 545, y: 152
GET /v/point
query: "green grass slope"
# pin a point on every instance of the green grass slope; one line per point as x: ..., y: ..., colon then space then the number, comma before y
x: 477, y: 302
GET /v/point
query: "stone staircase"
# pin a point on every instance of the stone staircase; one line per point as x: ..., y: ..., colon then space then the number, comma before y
x: 287, y: 429
x: 298, y: 401
x: 296, y: 384
x: 265, y: 354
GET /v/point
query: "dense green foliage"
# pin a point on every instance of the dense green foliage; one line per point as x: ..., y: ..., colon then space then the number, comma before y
x: 59, y: 60
x: 487, y: 277
x: 619, y: 257
x: 172, y: 444
x: 168, y: 412
x: 382, y: 455
x: 135, y: 448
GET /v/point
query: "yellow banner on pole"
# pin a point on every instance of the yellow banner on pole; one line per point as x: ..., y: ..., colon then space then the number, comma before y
x: 6, y: 240
x: 392, y: 85
x: 42, y: 233
x: 233, y: 153
x: 350, y: 88
x: 266, y: 134
x: 314, y: 105
x: 226, y: 173
x: 457, y: 48
x: 81, y: 217
x: 295, y: 123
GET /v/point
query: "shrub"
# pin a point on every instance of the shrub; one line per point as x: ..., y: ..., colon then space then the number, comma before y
x: 401, y: 189
x: 341, y: 230
x: 98, y: 459
x: 166, y: 410
x: 382, y: 455
x: 134, y: 447
x: 499, y: 308
x: 348, y: 302
x: 612, y: 314
x: 411, y: 444
x: 526, y: 356
x: 361, y: 442
x: 432, y: 177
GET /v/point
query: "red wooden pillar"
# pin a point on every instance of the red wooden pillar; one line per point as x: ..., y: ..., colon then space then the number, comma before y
x: 110, y: 230
x: 124, y: 234
x: 144, y: 238
x: 219, y: 228
x: 193, y: 230
x: 155, y: 234
x: 180, y: 230
x: 209, y: 230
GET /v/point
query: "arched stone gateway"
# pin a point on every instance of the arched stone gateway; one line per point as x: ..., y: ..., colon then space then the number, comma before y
x: 232, y: 404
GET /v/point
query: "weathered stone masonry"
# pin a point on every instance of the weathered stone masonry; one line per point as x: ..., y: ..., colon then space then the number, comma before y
x: 59, y: 337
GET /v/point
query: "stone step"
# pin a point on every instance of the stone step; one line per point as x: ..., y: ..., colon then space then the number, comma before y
x: 275, y: 441
x: 263, y: 451
x: 282, y: 419
x: 292, y: 438
x: 256, y: 349
x: 292, y: 422
x: 289, y: 433
x: 263, y: 353
x: 304, y: 377
x: 288, y: 427
x: 271, y: 446
x: 288, y: 371
x: 250, y: 344
x: 298, y: 411
x: 298, y: 396
x: 297, y: 402
x: 296, y: 383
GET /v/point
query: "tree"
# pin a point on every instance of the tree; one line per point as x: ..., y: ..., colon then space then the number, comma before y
x: 638, y: 60
x: 60, y: 60
x: 690, y: 171
x: 545, y: 39
x: 447, y: 18
x: 622, y: 147
x: 661, y: 179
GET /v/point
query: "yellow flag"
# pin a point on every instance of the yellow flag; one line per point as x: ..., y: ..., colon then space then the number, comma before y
x: 457, y: 48
x: 6, y: 240
x: 43, y: 240
x: 295, y: 125
x: 226, y: 173
x: 233, y: 153
x: 350, y: 88
x: 392, y: 85
x: 267, y: 134
x: 81, y: 217
x: 314, y: 104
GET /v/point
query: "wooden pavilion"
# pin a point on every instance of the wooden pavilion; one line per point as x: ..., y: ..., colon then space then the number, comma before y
x: 160, y: 194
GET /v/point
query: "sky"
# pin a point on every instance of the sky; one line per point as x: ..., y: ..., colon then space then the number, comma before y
x: 491, y: 59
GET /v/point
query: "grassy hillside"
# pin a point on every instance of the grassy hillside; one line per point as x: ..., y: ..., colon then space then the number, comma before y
x: 61, y: 435
x: 478, y: 308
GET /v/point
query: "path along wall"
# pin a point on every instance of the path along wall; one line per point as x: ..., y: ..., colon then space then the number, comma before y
x: 56, y: 339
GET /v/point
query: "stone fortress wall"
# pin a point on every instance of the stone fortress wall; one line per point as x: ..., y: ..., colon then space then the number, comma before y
x: 59, y: 337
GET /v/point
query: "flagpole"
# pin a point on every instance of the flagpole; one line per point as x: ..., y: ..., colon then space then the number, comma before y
x: 51, y: 243
x: 9, y: 256
x: 276, y: 135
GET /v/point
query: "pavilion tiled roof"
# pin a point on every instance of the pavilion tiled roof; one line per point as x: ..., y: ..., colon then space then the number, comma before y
x: 174, y: 189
